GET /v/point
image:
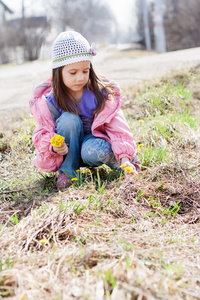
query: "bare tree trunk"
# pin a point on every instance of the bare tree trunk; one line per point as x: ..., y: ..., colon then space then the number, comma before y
x: 182, y: 24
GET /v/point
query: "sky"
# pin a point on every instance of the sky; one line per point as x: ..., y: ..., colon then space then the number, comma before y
x: 120, y: 8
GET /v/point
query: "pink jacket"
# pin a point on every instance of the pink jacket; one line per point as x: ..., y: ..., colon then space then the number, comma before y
x: 109, y: 125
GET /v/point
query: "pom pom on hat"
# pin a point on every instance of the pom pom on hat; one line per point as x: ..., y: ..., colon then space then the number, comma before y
x: 70, y: 47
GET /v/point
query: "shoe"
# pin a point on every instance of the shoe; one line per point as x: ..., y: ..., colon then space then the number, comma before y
x: 63, y: 181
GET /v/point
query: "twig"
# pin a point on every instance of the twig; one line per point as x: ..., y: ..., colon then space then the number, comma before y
x: 187, y: 169
x: 17, y: 191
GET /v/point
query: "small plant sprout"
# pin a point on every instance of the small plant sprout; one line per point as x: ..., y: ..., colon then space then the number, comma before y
x: 139, y: 196
x: 120, y: 178
x: 8, y: 263
x: 44, y: 206
x: 1, y: 265
x: 72, y: 266
x: 14, y: 219
x: 91, y: 199
x: 110, y: 282
x: 77, y: 210
x: 98, y: 180
x: 61, y: 205
x: 133, y: 220
x: 109, y: 200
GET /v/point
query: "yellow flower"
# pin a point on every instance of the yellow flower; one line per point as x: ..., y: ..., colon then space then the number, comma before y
x: 23, y: 296
x: 123, y: 166
x: 171, y: 154
x: 141, y: 121
x: 57, y: 140
x: 86, y: 171
x: 78, y: 170
x: 139, y: 146
x: 74, y: 179
x: 43, y: 241
x: 128, y: 170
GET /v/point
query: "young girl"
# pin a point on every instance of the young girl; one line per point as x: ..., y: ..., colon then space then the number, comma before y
x: 84, y: 109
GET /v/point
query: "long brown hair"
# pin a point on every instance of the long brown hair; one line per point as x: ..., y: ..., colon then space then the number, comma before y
x: 65, y: 100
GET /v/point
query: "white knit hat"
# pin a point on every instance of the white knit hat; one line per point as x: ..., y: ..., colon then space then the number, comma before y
x: 70, y: 47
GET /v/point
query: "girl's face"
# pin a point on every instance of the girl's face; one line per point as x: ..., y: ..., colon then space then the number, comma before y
x: 75, y: 76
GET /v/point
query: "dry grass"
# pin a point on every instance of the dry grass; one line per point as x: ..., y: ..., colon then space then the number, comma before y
x: 118, y: 250
x: 118, y: 238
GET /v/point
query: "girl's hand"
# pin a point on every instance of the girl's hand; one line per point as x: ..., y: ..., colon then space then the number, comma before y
x: 62, y: 150
x: 128, y: 167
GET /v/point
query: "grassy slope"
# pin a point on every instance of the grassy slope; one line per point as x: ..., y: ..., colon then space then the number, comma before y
x: 110, y: 236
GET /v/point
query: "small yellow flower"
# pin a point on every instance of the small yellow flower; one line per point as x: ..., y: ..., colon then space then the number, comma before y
x: 57, y: 140
x: 128, y: 170
x: 141, y: 121
x: 171, y: 154
x: 23, y: 296
x: 123, y: 166
x: 74, y: 179
x: 139, y: 146
x: 86, y: 171
x: 78, y: 170
x: 146, y: 149
x: 43, y: 241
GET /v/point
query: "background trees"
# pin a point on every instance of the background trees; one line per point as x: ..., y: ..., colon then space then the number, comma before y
x: 181, y: 22
x: 21, y: 39
x: 92, y: 18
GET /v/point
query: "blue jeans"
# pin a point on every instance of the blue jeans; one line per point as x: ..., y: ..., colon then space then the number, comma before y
x: 85, y: 150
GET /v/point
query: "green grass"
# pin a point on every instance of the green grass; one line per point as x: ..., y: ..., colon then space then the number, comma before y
x: 163, y: 121
x: 163, y: 99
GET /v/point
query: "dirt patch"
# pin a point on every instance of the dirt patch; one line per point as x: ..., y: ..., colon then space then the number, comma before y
x: 10, y: 117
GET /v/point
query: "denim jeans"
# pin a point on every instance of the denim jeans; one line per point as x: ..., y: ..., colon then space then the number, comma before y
x: 85, y: 150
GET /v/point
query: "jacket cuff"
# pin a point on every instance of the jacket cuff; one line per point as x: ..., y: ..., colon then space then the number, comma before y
x: 52, y: 153
x: 124, y: 155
